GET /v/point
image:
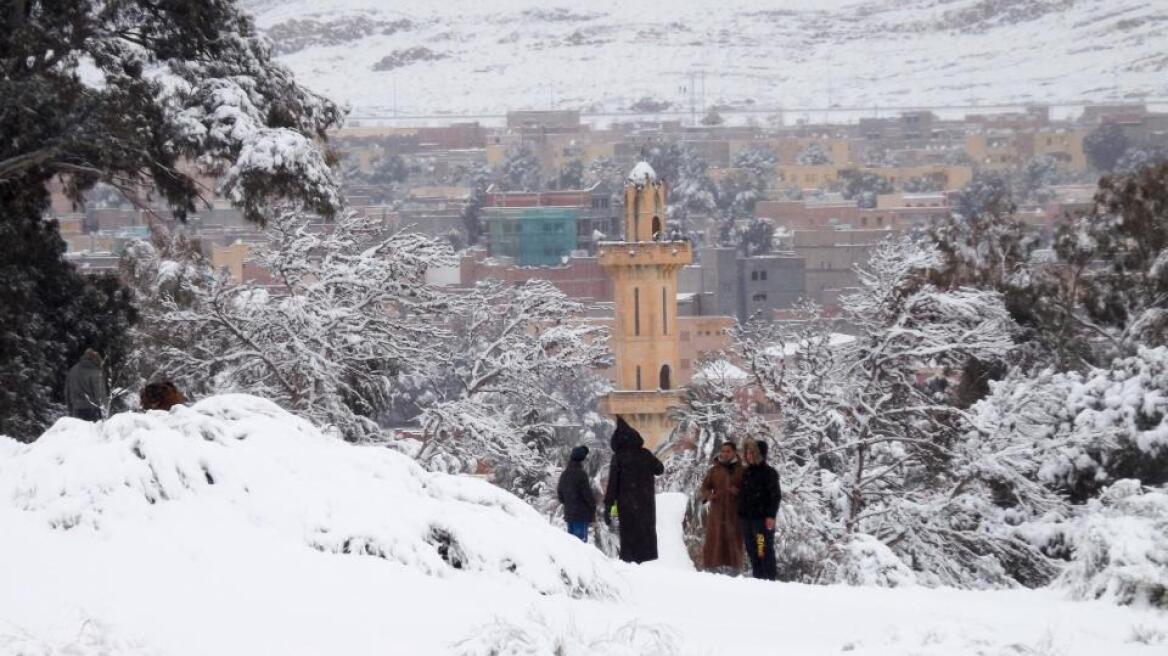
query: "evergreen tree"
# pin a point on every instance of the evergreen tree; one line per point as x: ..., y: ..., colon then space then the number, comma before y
x: 864, y: 186
x: 49, y: 315
x: 1105, y: 145
x: 86, y: 101
x: 1120, y: 252
x: 521, y: 169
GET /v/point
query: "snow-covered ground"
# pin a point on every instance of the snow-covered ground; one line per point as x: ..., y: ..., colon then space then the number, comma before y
x: 231, y: 527
x: 490, y: 56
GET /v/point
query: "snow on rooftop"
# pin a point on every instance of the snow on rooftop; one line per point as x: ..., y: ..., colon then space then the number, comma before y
x: 793, y: 348
x: 720, y: 370
x: 642, y: 174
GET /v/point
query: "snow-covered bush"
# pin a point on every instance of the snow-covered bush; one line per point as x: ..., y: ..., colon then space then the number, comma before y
x: 240, y: 466
x: 1121, y: 547
x: 538, y: 637
x: 1085, y: 430
x: 865, y: 560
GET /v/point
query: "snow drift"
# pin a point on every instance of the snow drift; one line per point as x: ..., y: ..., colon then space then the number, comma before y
x: 240, y: 461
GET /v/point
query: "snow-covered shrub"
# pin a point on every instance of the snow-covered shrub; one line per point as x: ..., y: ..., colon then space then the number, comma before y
x: 249, y: 468
x: 865, y: 560
x: 1085, y: 430
x: 1121, y: 547
x: 538, y: 637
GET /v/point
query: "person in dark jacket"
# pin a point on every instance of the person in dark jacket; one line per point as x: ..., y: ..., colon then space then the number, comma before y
x: 631, y: 491
x: 575, y: 492
x: 758, y: 505
x: 85, y: 392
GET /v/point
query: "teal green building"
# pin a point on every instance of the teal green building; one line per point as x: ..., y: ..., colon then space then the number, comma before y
x: 532, y: 236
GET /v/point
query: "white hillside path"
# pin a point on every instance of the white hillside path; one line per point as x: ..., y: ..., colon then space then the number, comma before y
x: 237, y: 567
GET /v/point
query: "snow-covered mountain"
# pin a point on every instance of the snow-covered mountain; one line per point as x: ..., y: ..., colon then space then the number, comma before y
x: 488, y: 56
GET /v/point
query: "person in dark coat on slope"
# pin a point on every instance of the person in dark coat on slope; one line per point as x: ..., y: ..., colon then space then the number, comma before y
x: 631, y: 490
x: 758, y: 506
x: 575, y: 492
x: 85, y: 391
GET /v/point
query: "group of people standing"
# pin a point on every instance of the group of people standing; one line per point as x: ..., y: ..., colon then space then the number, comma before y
x: 743, y: 503
x: 743, y: 507
x: 629, y: 497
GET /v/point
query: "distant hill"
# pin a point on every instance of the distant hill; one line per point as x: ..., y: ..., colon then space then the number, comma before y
x: 488, y: 56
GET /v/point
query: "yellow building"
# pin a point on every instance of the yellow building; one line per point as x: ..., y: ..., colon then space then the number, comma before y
x: 645, y: 338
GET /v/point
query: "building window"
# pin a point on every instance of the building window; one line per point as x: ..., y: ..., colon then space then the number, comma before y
x: 665, y: 382
x: 762, y: 275
x: 664, y: 314
x: 759, y: 298
x: 685, y: 364
x: 638, y: 377
x: 754, y: 275
x: 637, y: 315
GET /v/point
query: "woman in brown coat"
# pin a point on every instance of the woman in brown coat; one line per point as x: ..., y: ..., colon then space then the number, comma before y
x: 723, y: 548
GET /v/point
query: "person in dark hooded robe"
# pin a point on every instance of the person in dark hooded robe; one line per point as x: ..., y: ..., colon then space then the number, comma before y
x: 85, y: 390
x: 631, y: 491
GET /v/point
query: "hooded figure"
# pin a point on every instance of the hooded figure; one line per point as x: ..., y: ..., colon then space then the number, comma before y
x: 85, y: 393
x: 631, y: 490
x: 575, y: 492
x: 758, y: 506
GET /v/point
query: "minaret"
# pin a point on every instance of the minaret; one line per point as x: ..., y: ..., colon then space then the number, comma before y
x: 644, y: 271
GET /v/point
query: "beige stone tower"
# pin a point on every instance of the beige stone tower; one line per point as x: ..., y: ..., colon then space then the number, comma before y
x: 644, y: 271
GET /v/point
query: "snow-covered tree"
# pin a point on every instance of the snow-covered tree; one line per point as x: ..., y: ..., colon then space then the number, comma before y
x: 1105, y: 145
x: 813, y: 155
x: 521, y: 169
x: 712, y: 118
x: 141, y: 96
x: 572, y: 174
x: 1118, y: 256
x: 871, y: 446
x: 757, y: 238
x: 491, y: 399
x: 691, y: 191
x: 863, y: 186
x: 988, y: 191
x: 1033, y: 181
x: 347, y: 312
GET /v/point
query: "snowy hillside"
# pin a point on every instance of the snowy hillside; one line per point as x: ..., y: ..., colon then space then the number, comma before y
x: 488, y: 56
x: 231, y: 527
